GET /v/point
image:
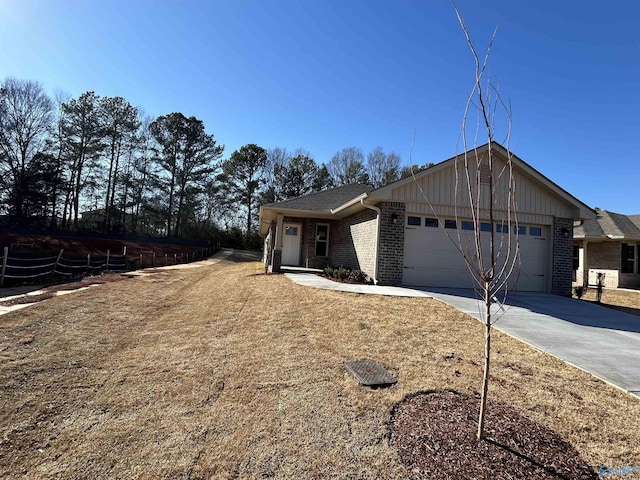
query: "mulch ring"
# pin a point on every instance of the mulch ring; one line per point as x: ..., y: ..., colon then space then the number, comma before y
x: 435, y: 435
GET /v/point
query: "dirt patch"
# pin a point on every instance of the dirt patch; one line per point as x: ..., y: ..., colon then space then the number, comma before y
x: 435, y: 434
x: 627, y: 301
x: 50, y: 291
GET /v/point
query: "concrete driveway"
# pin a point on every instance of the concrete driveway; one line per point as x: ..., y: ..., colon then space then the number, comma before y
x: 602, y: 341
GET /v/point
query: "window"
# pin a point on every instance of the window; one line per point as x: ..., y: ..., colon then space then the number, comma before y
x: 414, y: 221
x: 430, y: 222
x: 485, y: 227
x: 322, y: 240
x: 291, y: 231
x: 502, y: 228
x: 450, y: 224
x: 535, y: 231
x: 628, y: 258
x: 520, y: 230
x: 576, y: 257
x: 467, y: 225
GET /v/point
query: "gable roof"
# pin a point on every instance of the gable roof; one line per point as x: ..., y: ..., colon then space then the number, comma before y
x: 324, y: 200
x: 338, y: 202
x: 331, y: 203
x: 609, y: 226
x: 585, y: 211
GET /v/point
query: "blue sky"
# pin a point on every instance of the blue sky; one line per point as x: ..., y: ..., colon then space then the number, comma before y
x: 325, y: 74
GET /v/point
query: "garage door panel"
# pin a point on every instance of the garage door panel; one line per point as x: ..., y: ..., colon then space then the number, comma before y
x: 432, y: 259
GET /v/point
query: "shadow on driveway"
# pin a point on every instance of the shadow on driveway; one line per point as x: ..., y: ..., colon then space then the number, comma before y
x: 600, y: 340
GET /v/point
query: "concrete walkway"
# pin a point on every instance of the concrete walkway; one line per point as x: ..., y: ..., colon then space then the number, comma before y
x: 599, y: 340
x: 316, y: 281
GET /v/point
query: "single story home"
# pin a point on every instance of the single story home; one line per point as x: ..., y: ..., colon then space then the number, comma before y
x: 608, y: 244
x: 411, y: 232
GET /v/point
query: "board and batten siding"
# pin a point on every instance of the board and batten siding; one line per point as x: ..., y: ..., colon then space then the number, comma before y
x: 535, y: 203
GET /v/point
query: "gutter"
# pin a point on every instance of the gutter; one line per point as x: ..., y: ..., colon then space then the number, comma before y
x: 378, y: 217
x: 353, y: 201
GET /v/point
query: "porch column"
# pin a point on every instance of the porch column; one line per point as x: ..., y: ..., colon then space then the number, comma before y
x: 276, y: 258
x: 279, y: 228
x: 585, y: 267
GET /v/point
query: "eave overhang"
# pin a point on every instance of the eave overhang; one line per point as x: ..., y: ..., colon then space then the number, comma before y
x: 269, y: 214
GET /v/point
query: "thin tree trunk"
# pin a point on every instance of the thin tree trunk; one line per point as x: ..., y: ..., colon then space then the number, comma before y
x: 487, y: 361
x: 249, y: 218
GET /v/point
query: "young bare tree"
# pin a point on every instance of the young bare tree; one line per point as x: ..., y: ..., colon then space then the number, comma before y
x: 488, y: 183
x: 485, y: 201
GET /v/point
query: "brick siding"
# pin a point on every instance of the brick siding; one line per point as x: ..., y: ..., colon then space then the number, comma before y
x: 562, y: 269
x: 353, y: 242
x: 391, y: 243
x: 605, y: 257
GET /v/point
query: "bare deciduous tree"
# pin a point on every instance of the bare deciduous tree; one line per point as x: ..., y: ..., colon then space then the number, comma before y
x: 382, y: 168
x: 489, y: 184
x: 485, y: 201
x: 347, y: 166
x: 26, y: 115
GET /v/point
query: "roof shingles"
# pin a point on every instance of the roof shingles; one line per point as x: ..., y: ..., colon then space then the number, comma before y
x: 610, y: 225
x: 323, y: 201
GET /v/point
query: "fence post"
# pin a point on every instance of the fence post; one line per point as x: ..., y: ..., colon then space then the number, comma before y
x: 88, y: 263
x: 166, y: 260
x: 108, y: 255
x: 53, y: 272
x: 4, y: 265
x: 140, y: 260
x: 153, y: 259
x: 175, y: 258
x: 124, y: 251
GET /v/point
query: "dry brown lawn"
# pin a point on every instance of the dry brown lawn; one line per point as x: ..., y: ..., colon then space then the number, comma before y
x: 224, y: 372
x: 624, y: 300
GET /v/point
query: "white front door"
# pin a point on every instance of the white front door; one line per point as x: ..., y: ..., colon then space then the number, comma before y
x: 291, y: 237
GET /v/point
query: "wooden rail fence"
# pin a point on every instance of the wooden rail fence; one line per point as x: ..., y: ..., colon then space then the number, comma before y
x: 18, y: 265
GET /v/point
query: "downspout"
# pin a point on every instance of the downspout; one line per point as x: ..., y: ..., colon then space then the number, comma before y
x: 378, y: 217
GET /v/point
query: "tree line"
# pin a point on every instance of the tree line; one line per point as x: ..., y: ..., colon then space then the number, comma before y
x: 99, y: 163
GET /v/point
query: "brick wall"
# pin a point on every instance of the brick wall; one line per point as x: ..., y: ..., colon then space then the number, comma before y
x: 562, y: 268
x: 357, y: 237
x: 605, y: 257
x: 365, y: 240
x: 309, y: 258
x: 391, y: 246
x: 354, y: 242
x: 276, y: 261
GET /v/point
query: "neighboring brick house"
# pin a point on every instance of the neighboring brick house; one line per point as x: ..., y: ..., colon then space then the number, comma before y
x: 410, y: 232
x: 608, y: 244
